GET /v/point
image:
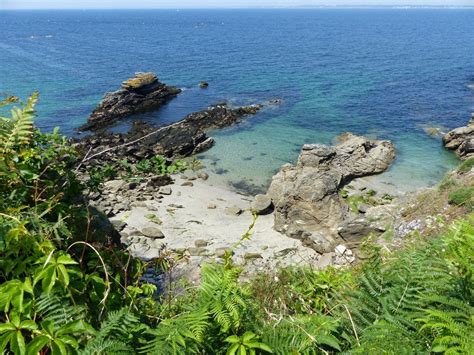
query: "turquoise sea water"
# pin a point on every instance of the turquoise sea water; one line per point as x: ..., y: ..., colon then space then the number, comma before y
x: 386, y: 73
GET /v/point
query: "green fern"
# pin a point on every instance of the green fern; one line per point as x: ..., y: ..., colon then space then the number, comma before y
x: 302, y: 335
x: 222, y: 296
x: 115, y: 335
x: 58, y: 310
x: 18, y: 129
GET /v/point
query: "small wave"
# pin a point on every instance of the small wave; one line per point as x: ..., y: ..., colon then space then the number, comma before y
x: 470, y: 86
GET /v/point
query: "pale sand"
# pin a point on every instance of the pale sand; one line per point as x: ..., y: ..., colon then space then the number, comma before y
x: 220, y: 228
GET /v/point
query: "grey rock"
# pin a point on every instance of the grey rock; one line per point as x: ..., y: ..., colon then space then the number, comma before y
x: 152, y: 232
x: 165, y: 190
x: 262, y: 204
x: 307, y: 204
x: 355, y: 230
x: 461, y: 140
x: 198, y: 243
x: 233, y: 211
x: 220, y: 252
x: 250, y: 256
x: 187, y: 183
x: 114, y: 185
x: 142, y: 93
x: 203, y: 175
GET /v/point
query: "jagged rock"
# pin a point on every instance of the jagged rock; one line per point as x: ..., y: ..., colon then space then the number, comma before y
x: 262, y: 204
x: 142, y: 93
x: 181, y: 139
x: 152, y: 232
x: 461, y: 140
x: 307, y: 204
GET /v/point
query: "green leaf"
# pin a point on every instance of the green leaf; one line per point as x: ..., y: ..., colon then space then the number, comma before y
x: 233, y: 349
x: 63, y: 275
x: 17, y: 344
x: 37, y: 344
x: 66, y: 260
x: 6, y: 327
x: 232, y: 339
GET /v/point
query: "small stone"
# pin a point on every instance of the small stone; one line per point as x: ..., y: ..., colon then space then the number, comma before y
x: 234, y: 211
x: 203, y: 85
x: 203, y: 175
x: 262, y: 204
x: 192, y: 178
x: 174, y: 205
x: 153, y: 232
x: 212, y: 206
x: 340, y: 249
x: 284, y: 252
x: 199, y: 243
x: 250, y: 256
x: 165, y: 190
x: 187, y: 183
x: 220, y: 252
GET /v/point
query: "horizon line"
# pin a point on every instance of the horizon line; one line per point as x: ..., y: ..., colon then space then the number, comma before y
x: 300, y: 7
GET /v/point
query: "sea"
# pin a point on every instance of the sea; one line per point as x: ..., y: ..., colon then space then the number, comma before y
x: 384, y: 73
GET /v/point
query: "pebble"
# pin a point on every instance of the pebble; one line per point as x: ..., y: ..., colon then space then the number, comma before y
x: 152, y: 232
x: 165, y: 190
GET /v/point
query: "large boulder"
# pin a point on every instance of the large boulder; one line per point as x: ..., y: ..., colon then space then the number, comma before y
x: 461, y: 140
x: 307, y: 204
x: 142, y: 93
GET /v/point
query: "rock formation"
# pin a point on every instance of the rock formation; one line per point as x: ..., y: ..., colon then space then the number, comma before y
x: 181, y: 139
x: 139, y: 94
x: 461, y: 140
x: 307, y: 204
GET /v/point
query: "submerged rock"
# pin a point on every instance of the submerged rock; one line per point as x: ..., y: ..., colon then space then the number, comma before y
x: 307, y: 204
x: 461, y: 140
x: 142, y: 93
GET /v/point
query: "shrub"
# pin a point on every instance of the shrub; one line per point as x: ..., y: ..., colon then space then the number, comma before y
x: 463, y: 196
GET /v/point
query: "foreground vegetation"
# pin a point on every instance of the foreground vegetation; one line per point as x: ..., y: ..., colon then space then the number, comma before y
x: 66, y: 287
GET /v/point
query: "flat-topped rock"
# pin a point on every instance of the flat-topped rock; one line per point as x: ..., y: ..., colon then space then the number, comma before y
x: 461, y: 140
x: 307, y: 204
x: 142, y: 93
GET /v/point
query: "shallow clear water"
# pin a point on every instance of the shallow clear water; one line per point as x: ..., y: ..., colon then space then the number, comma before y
x: 385, y: 73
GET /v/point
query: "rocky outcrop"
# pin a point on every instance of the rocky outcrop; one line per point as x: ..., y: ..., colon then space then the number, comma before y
x: 183, y: 138
x: 461, y: 140
x: 307, y: 204
x: 139, y: 94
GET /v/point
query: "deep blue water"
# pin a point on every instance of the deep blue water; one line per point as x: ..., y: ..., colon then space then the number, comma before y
x: 381, y: 72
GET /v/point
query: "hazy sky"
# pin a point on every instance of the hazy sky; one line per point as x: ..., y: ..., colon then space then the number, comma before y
x: 25, y: 4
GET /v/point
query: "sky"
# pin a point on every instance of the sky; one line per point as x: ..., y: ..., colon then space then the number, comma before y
x: 83, y: 4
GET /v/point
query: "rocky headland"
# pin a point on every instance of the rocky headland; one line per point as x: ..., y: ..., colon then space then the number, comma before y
x: 142, y: 93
